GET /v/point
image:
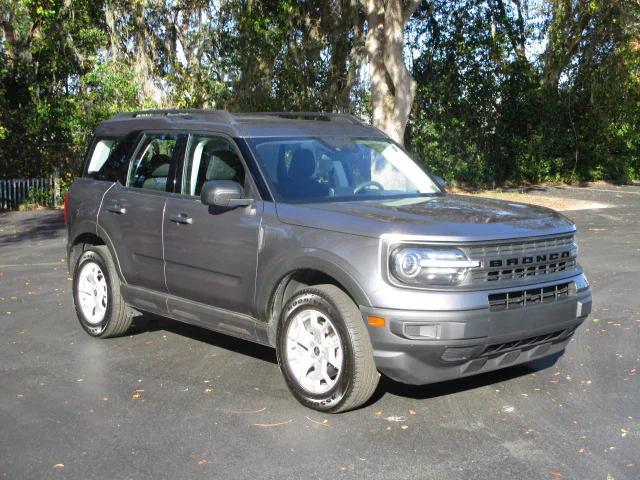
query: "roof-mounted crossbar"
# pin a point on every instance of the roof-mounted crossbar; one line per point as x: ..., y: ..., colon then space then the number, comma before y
x: 321, y: 116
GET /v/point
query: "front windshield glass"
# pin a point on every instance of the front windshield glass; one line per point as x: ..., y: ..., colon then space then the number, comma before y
x: 316, y: 169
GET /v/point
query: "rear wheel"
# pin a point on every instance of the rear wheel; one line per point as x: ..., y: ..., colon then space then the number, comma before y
x: 324, y: 350
x: 101, y: 310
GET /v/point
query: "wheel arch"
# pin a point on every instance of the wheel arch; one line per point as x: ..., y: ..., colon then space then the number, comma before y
x: 89, y: 238
x: 297, y: 274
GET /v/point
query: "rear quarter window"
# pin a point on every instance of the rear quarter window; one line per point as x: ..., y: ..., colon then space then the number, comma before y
x: 109, y: 158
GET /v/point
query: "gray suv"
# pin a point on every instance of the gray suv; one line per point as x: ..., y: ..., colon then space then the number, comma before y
x: 318, y: 235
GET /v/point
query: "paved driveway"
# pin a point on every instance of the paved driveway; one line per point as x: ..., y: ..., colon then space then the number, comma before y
x: 178, y: 402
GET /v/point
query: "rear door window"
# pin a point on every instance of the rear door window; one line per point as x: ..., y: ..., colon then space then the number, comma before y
x: 154, y: 163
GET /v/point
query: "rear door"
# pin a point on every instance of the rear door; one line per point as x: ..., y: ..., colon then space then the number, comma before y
x: 210, y: 252
x: 131, y: 214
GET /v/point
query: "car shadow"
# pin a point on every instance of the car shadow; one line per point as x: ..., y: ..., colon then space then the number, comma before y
x: 32, y: 226
x: 150, y: 323
x: 434, y: 390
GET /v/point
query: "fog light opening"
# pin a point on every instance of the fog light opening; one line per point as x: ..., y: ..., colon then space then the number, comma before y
x: 428, y: 331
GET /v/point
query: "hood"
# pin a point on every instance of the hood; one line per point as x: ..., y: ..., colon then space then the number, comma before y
x: 442, y: 218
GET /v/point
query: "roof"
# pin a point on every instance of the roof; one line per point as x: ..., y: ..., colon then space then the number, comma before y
x: 257, y: 124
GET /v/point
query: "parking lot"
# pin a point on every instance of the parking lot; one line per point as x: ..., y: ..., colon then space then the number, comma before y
x: 174, y: 401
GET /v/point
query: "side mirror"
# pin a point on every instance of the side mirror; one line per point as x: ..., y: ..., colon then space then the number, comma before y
x: 440, y: 182
x: 223, y: 193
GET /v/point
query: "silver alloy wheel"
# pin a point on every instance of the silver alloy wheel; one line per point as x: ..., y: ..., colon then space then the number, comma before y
x: 92, y: 293
x: 314, y: 351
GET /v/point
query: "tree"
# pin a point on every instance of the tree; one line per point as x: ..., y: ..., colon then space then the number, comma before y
x: 292, y: 54
x: 392, y: 86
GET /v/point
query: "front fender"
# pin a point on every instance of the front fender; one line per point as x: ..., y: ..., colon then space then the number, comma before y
x: 324, y: 261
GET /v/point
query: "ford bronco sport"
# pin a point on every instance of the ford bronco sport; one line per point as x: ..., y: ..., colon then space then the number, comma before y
x: 315, y: 234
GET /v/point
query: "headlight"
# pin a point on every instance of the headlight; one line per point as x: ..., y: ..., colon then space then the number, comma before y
x: 430, y: 266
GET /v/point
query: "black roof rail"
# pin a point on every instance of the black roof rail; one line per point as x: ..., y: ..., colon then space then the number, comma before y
x: 225, y: 116
x: 322, y: 116
x: 222, y: 115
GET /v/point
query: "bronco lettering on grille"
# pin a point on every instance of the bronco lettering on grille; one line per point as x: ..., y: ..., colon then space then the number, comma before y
x: 529, y: 259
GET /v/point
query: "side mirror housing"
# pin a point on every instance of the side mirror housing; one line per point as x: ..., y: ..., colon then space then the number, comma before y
x: 440, y: 182
x: 223, y: 193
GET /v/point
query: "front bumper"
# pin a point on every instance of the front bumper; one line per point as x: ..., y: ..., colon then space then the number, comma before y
x: 458, y: 343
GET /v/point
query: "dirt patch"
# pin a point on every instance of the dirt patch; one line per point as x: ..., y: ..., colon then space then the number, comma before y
x: 557, y: 203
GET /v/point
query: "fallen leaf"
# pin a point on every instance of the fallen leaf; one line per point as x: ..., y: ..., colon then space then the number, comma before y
x: 201, y: 462
x: 378, y: 414
x: 137, y: 394
x: 404, y: 427
x: 59, y: 466
x: 412, y: 412
x: 555, y: 474
x: 343, y: 468
x: 208, y: 390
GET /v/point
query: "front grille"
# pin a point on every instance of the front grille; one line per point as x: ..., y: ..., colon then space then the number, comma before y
x: 503, y: 262
x: 532, y: 296
x: 527, y: 342
x: 516, y: 248
x: 524, y: 272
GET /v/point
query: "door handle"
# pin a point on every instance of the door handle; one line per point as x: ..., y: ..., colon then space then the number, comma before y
x: 117, y: 209
x: 183, y: 219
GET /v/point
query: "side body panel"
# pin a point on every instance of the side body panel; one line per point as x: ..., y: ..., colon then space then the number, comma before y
x: 286, y: 248
x: 211, y: 253
x: 85, y: 197
x: 132, y: 218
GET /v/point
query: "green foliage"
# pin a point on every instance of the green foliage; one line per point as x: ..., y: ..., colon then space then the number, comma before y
x: 39, y: 197
x: 506, y: 91
x: 485, y: 114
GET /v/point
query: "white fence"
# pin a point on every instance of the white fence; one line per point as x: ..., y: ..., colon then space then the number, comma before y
x: 15, y: 191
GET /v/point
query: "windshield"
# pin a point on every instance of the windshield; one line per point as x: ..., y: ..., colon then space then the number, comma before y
x: 316, y: 169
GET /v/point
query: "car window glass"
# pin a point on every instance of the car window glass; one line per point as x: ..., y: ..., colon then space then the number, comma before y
x: 210, y: 158
x: 109, y: 158
x: 153, y: 162
x: 309, y: 169
x: 100, y: 153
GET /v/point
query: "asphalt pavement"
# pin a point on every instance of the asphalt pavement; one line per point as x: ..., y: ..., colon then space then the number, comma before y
x: 178, y: 402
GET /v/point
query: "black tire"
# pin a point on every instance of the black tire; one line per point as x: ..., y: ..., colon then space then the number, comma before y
x: 118, y: 316
x: 358, y: 377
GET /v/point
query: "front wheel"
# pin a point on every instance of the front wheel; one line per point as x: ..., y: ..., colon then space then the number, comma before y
x: 324, y: 350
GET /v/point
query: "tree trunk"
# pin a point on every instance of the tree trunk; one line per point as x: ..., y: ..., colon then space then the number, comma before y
x: 567, y: 29
x: 392, y: 87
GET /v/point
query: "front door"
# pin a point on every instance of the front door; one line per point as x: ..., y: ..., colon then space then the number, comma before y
x: 132, y: 214
x: 210, y: 252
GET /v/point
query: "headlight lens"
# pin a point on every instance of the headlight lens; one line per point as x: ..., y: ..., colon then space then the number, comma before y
x: 430, y: 266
